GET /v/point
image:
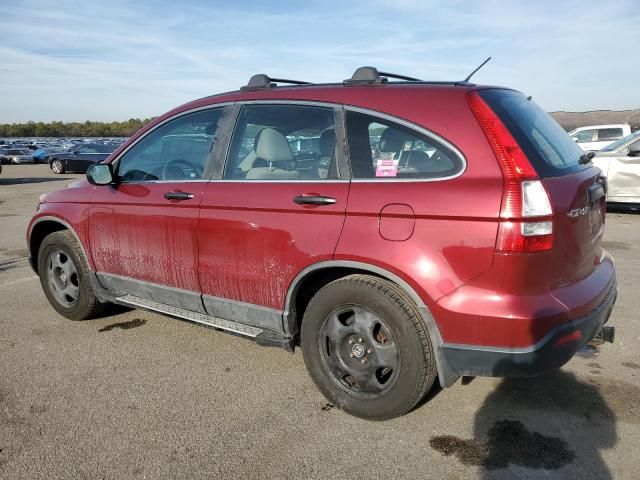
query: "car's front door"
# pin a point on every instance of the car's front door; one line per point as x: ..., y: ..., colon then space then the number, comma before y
x: 144, y: 228
x: 279, y: 208
x: 585, y: 139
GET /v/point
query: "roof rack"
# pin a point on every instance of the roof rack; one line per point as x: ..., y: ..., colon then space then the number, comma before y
x: 261, y: 80
x: 362, y: 76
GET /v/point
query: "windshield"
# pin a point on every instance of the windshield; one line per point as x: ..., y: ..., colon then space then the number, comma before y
x: 96, y: 148
x: 547, y: 146
x: 617, y: 144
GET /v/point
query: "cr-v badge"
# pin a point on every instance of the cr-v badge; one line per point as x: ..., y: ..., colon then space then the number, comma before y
x: 576, y: 212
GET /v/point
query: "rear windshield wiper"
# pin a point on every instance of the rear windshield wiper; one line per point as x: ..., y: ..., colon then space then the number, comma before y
x: 586, y: 158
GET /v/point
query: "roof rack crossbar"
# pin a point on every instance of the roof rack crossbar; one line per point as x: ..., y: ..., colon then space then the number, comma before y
x: 399, y: 77
x: 261, y: 80
x: 293, y: 82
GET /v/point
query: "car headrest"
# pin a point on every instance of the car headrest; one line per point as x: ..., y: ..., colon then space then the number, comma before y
x: 392, y: 140
x: 272, y: 146
x: 327, y: 142
x: 418, y: 159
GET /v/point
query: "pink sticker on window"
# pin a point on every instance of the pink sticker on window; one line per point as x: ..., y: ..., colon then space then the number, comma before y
x: 387, y: 168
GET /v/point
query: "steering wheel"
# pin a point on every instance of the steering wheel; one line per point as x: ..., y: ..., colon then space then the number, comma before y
x: 174, y: 169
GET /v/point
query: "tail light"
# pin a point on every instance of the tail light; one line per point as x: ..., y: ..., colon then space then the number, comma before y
x: 526, y: 215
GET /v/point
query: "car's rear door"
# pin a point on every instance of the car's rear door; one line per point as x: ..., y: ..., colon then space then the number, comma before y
x: 278, y: 207
x: 143, y: 229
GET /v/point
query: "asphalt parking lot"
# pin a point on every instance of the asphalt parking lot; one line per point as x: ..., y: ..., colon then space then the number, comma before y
x: 139, y: 395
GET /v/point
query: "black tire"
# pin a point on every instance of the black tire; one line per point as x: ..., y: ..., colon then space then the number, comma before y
x: 57, y: 166
x: 83, y: 302
x: 366, y: 391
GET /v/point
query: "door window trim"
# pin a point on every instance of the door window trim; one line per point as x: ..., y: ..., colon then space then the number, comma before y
x: 209, y: 166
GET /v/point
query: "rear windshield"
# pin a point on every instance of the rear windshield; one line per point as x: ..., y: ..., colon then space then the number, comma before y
x: 547, y: 146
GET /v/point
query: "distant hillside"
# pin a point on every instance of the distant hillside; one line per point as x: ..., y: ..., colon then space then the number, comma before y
x: 571, y: 120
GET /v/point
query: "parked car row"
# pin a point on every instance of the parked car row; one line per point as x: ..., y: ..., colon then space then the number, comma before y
x: 62, y: 155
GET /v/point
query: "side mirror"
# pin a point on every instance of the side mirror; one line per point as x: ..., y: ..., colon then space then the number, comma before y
x: 100, y: 174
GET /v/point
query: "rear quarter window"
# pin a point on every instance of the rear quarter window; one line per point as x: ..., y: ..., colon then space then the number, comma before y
x: 382, y: 149
x: 547, y: 146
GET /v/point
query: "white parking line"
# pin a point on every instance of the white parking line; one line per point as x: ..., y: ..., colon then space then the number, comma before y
x: 13, y: 282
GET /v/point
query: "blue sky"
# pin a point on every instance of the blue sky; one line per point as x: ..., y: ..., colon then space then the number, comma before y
x: 83, y: 60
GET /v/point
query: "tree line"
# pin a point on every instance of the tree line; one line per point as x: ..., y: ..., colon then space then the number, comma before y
x: 73, y: 129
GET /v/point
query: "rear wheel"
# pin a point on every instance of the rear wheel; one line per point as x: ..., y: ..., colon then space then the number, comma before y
x: 366, y: 347
x: 57, y: 167
x: 65, y: 277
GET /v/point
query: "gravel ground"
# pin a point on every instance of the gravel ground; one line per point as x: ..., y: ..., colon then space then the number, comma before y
x: 139, y: 395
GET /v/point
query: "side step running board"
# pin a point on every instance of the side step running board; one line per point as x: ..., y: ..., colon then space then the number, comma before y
x: 228, y: 325
x: 262, y: 337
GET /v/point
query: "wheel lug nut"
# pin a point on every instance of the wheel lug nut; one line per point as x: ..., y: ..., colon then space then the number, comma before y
x: 369, y: 351
x: 360, y: 339
x: 351, y: 355
x: 364, y: 360
x: 351, y: 341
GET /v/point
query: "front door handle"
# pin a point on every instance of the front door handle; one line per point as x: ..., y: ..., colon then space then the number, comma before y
x: 314, y: 200
x: 178, y: 196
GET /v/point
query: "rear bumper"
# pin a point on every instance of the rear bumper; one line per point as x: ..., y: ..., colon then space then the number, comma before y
x: 552, y: 351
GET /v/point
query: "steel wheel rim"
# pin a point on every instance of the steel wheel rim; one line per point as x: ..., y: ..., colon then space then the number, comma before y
x: 359, y: 351
x: 63, y: 278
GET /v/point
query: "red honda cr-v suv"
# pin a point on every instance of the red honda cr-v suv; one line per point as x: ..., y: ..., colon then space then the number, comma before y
x: 396, y: 231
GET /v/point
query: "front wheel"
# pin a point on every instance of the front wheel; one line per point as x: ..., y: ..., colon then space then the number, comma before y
x: 366, y: 347
x: 66, y: 279
x: 57, y: 167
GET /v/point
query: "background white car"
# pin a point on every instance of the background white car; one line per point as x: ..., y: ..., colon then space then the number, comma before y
x: 595, y: 137
x: 620, y: 163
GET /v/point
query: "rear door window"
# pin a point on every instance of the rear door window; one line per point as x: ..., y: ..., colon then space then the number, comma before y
x: 605, y: 134
x: 547, y: 146
x: 385, y: 150
x: 283, y: 142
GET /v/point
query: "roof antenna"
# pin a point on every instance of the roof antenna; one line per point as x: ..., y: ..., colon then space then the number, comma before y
x: 473, y: 73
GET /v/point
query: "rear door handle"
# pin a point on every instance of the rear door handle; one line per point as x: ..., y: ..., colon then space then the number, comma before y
x: 314, y: 200
x: 178, y: 196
